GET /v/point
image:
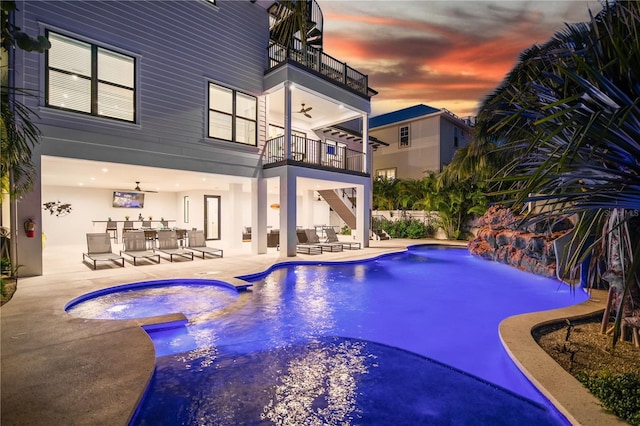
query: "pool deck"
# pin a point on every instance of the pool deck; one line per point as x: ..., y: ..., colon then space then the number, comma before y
x: 56, y: 369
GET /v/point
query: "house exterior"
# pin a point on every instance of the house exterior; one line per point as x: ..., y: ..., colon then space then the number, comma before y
x: 196, y: 103
x: 420, y: 139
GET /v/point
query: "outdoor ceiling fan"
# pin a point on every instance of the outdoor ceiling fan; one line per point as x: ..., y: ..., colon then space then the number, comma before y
x: 137, y: 188
x: 305, y: 111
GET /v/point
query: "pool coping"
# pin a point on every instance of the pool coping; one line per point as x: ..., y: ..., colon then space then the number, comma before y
x: 57, y: 369
x: 566, y: 393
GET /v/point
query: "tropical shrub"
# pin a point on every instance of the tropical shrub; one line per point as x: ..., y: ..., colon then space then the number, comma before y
x: 406, y: 228
x: 456, y: 203
x: 619, y: 393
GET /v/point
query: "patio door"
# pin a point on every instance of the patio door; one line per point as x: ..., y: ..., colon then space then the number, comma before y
x: 212, y: 217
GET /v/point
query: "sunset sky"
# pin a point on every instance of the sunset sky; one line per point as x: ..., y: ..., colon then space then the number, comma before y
x: 446, y: 54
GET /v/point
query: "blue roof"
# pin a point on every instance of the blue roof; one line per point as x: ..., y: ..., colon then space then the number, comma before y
x: 401, y: 115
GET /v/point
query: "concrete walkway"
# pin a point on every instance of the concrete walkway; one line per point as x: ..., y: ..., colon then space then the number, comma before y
x: 56, y: 369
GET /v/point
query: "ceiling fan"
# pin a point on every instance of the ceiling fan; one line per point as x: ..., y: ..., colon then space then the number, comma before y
x: 137, y: 188
x: 305, y: 111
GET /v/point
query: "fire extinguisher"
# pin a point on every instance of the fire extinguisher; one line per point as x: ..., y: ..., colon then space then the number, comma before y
x: 30, y: 228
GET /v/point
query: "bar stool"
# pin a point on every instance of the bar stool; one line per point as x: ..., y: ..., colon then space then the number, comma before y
x: 128, y: 226
x: 112, y: 230
x: 150, y: 236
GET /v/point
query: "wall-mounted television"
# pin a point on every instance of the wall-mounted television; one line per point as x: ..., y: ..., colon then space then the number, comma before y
x: 128, y: 199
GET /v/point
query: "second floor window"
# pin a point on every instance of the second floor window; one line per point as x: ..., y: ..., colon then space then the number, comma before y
x: 89, y: 79
x: 232, y: 115
x: 404, y: 136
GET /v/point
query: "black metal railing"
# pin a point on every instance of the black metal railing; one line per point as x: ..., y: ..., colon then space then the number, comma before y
x: 313, y: 152
x: 315, y: 59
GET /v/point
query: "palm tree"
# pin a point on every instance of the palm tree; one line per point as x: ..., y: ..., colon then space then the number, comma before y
x: 385, y: 193
x: 569, y: 116
x: 17, y: 132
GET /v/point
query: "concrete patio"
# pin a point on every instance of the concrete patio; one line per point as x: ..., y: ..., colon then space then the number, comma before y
x: 57, y: 369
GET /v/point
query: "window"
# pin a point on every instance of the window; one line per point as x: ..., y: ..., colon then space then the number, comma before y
x: 387, y: 173
x: 86, y: 78
x: 404, y: 136
x: 455, y: 137
x: 232, y: 115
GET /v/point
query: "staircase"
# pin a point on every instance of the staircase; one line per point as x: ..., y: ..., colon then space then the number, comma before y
x: 286, y: 19
x: 341, y: 205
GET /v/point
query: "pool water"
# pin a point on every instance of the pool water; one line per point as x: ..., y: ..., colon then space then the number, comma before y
x: 194, y: 298
x: 409, y: 338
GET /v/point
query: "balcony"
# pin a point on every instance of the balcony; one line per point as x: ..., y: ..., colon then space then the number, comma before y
x: 315, y: 60
x: 314, y: 154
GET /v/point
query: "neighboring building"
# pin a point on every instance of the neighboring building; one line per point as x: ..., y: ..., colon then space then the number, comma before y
x: 195, y: 102
x: 420, y: 139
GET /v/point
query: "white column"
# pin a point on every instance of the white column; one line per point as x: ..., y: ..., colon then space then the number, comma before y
x: 287, y: 120
x: 235, y: 195
x: 287, y: 213
x: 363, y: 209
x: 367, y: 153
x: 28, y: 251
x: 259, y: 216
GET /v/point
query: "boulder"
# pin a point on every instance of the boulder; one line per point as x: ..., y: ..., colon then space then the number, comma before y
x: 504, y: 237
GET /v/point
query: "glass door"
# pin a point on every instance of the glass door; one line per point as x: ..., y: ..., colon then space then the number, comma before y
x: 212, y: 217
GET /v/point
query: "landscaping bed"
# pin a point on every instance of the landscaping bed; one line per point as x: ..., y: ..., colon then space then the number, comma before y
x: 612, y: 375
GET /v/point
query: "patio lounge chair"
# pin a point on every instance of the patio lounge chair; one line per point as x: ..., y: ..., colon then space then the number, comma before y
x: 168, y: 244
x: 304, y: 247
x: 99, y: 249
x: 198, y: 244
x: 333, y: 238
x: 135, y: 246
x: 313, y: 238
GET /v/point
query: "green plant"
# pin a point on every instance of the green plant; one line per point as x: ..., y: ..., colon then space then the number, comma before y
x: 5, y: 266
x: 619, y: 393
x: 405, y: 228
x: 345, y: 230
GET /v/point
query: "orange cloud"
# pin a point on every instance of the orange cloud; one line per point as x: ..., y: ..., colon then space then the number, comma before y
x: 457, y: 59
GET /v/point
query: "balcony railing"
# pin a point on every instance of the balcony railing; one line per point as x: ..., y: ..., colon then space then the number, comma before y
x: 313, y: 153
x: 316, y: 60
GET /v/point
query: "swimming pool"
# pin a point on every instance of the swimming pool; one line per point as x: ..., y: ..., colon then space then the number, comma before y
x: 406, y: 338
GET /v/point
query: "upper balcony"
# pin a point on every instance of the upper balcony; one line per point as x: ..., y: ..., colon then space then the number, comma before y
x: 313, y: 153
x: 318, y: 62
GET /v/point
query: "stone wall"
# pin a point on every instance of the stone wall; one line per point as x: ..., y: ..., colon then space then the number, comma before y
x: 503, y: 239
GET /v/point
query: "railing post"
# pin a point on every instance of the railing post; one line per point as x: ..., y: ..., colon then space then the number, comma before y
x: 344, y: 73
x: 319, y: 60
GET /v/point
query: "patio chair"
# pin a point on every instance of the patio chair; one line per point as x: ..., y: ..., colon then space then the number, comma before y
x: 333, y: 238
x: 135, y: 246
x: 168, y: 244
x: 99, y: 249
x: 127, y: 226
x: 112, y: 229
x: 303, y: 246
x: 313, y: 238
x: 197, y: 243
